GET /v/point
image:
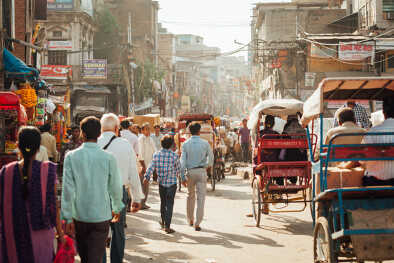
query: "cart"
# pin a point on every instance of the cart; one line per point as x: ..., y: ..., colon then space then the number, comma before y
x: 352, y: 223
x: 12, y: 116
x: 270, y: 184
x: 217, y: 171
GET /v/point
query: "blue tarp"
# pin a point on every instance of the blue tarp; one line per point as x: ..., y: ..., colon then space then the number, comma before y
x: 16, y: 67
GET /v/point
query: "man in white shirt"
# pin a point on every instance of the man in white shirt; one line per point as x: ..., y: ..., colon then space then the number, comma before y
x: 128, y: 135
x: 381, y: 172
x: 156, y: 137
x: 147, y: 149
x: 127, y: 164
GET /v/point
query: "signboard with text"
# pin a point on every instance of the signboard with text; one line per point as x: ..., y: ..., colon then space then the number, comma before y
x: 94, y: 69
x: 55, y: 71
x: 60, y: 5
x: 60, y: 45
x: 359, y: 51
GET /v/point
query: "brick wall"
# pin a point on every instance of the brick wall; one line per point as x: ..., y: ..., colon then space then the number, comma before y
x: 20, y: 27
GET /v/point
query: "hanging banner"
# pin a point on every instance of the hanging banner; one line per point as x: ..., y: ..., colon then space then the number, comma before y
x: 355, y: 51
x: 55, y: 71
x: 94, y: 69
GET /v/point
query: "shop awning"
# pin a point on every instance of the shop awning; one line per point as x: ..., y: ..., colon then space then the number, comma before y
x: 16, y: 68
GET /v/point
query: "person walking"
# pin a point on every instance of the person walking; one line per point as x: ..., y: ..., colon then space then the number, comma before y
x: 49, y: 142
x: 92, y: 185
x: 196, y: 157
x: 74, y: 143
x: 127, y: 164
x: 156, y: 137
x: 147, y: 149
x: 28, y: 212
x: 167, y: 165
x: 244, y: 133
x: 127, y: 133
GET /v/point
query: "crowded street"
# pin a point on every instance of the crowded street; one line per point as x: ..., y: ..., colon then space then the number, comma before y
x: 228, y: 234
x: 196, y: 131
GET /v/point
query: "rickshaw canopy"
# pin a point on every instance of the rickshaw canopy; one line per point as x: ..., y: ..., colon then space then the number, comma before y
x: 275, y: 107
x: 360, y: 88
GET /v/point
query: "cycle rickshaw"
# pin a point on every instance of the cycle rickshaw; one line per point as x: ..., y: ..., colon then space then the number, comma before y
x: 352, y: 223
x: 208, y: 133
x: 271, y: 184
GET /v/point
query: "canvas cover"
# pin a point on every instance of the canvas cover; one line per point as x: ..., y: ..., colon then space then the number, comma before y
x: 352, y: 88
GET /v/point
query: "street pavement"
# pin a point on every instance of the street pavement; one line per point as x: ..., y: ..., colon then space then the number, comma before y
x: 227, y: 235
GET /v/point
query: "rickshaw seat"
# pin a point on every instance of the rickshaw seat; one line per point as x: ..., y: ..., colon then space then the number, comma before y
x: 292, y: 164
x: 285, y: 143
x: 357, y: 193
x: 361, y: 152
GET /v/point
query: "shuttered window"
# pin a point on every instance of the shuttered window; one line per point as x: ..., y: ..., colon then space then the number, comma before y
x: 388, y: 5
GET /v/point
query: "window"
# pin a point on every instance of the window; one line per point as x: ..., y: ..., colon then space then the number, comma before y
x: 57, y: 33
x: 57, y: 57
x: 390, y: 61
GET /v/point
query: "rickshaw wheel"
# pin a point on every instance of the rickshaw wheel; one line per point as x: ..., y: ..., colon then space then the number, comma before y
x: 310, y: 193
x: 322, y: 243
x: 256, y: 202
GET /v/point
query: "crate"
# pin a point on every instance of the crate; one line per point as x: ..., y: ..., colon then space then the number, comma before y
x: 373, y: 247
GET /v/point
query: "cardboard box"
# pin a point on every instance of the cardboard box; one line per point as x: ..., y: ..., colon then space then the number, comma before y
x: 338, y: 178
x: 152, y: 119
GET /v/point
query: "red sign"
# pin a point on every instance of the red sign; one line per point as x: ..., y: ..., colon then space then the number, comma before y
x: 55, y: 71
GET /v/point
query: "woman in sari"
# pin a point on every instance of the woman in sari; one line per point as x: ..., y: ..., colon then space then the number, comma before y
x: 28, y: 212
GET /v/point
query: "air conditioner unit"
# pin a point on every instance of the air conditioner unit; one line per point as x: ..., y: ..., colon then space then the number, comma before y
x: 389, y: 15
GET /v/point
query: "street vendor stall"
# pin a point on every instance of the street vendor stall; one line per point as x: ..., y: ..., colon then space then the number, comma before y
x: 12, y: 116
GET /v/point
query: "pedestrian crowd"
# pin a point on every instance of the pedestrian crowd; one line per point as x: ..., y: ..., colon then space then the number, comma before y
x: 106, y: 168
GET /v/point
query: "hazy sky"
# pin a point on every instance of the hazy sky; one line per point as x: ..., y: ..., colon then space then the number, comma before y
x: 220, y: 22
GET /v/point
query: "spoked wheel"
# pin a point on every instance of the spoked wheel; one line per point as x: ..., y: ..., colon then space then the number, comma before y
x: 256, y: 203
x: 323, y: 248
x: 311, y: 204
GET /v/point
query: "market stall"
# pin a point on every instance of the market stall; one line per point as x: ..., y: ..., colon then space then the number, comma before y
x: 12, y: 116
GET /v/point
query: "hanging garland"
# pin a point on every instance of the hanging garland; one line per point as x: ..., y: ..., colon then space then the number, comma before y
x: 27, y: 95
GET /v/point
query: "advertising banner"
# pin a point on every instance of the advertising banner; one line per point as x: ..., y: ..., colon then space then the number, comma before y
x: 355, y: 51
x: 60, y: 5
x: 55, y: 71
x: 60, y: 45
x: 94, y: 69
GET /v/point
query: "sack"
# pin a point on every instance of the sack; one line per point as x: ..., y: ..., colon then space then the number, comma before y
x: 66, y: 252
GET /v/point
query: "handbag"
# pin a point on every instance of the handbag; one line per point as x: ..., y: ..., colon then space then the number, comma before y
x: 66, y: 251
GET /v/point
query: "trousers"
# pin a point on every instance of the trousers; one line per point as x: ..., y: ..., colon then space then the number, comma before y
x: 245, y: 152
x: 118, y: 238
x: 197, y: 186
x: 167, y: 196
x: 91, y: 239
x: 145, y: 190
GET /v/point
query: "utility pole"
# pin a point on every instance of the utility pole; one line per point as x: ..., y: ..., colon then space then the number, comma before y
x: 130, y: 46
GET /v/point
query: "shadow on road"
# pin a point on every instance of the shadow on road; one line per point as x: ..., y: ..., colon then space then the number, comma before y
x: 291, y: 225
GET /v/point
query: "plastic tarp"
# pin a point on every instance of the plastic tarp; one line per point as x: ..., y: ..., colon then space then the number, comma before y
x: 354, y: 88
x: 275, y: 107
x: 15, y: 66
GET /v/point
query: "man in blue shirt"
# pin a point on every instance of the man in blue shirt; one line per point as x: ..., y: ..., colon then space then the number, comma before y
x: 166, y: 163
x: 196, y: 157
x: 91, y: 186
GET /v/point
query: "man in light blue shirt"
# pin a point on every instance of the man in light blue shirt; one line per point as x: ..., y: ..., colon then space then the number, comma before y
x: 196, y: 157
x: 91, y: 186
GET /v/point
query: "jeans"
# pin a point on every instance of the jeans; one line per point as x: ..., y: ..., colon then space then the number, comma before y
x: 245, y: 152
x: 167, y: 196
x: 118, y: 236
x: 90, y: 239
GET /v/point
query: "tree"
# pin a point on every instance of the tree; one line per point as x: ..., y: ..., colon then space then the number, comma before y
x: 144, y: 75
x: 107, y: 38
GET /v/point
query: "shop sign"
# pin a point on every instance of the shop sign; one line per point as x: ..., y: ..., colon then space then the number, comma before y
x: 60, y: 45
x: 55, y: 71
x: 383, y: 44
x: 310, y: 79
x: 60, y: 5
x: 355, y: 51
x: 94, y: 69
